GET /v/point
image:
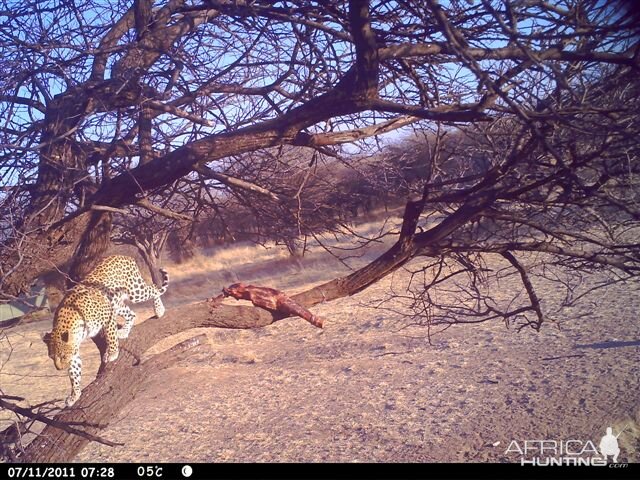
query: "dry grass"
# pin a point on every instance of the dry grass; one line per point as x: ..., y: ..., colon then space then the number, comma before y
x: 211, y: 269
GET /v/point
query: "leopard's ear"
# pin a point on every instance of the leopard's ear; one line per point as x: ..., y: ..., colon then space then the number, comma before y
x: 46, y: 338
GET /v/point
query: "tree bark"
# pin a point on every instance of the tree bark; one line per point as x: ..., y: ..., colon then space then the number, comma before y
x: 94, y: 242
x: 38, y: 252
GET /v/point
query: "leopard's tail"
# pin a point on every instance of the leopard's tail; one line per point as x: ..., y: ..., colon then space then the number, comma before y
x: 165, y: 281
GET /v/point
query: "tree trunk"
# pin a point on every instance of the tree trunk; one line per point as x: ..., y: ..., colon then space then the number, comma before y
x: 38, y: 252
x: 94, y: 242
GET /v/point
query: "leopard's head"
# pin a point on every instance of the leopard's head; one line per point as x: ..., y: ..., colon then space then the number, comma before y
x: 60, y: 343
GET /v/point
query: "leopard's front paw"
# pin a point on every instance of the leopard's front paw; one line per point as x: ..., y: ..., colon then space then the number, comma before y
x: 71, y: 399
x: 110, y: 357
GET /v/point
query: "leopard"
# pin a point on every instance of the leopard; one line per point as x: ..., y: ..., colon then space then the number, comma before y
x: 92, y: 306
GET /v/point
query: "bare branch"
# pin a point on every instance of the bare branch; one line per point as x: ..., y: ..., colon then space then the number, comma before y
x: 144, y: 203
x: 65, y: 426
x: 236, y: 182
x: 531, y: 292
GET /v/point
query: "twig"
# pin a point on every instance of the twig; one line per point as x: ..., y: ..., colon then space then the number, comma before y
x: 26, y: 412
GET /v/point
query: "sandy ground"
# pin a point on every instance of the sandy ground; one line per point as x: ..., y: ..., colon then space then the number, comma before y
x: 364, y: 388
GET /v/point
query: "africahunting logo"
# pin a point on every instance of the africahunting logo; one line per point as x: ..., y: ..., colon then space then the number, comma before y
x: 544, y: 453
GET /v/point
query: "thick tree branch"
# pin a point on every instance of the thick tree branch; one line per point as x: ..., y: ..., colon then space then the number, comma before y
x: 144, y: 203
x: 166, y: 108
x: 335, y: 138
x: 447, y: 113
x: 102, y: 396
x: 504, y: 53
x: 23, y: 101
x: 105, y: 208
x: 236, y: 182
x: 366, y: 72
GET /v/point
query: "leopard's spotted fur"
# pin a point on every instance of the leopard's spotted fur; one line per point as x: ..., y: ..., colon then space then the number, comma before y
x: 92, y: 306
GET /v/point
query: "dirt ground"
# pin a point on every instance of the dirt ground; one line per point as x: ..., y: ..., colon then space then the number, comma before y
x: 367, y: 387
